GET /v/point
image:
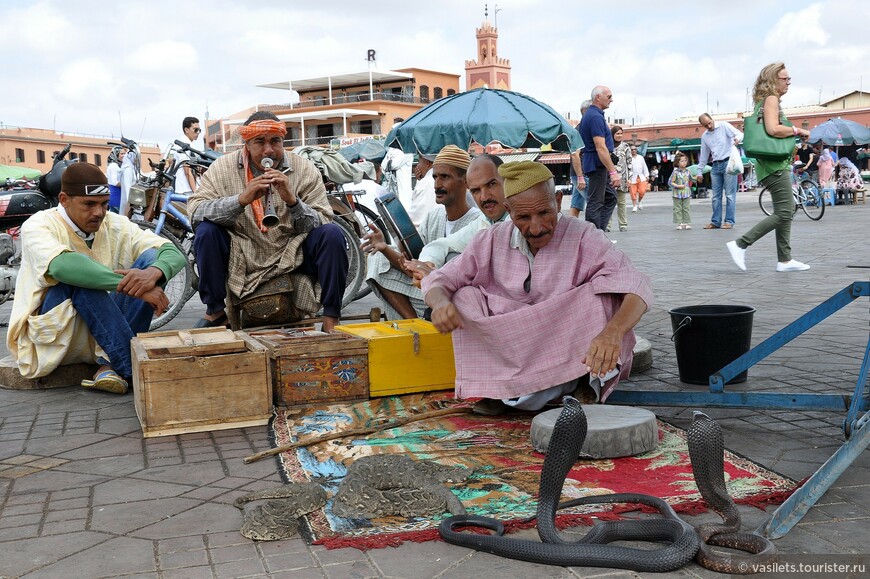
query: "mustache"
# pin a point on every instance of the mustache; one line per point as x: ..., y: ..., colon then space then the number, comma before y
x: 539, y: 235
x: 441, y: 191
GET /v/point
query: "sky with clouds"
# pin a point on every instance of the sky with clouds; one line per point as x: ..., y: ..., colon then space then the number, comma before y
x: 101, y: 68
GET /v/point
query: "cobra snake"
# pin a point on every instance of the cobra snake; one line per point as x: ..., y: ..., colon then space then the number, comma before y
x: 683, y: 541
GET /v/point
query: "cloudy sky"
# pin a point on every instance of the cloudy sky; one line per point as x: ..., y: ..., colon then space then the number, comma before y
x: 139, y: 67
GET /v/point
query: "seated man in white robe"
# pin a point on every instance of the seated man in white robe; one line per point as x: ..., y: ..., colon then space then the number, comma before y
x: 90, y: 280
x: 394, y: 286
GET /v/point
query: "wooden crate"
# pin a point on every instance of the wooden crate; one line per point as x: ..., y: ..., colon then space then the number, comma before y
x: 199, y: 380
x: 309, y: 366
x: 406, y: 356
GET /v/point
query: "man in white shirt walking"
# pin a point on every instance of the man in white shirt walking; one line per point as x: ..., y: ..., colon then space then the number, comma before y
x: 716, y: 144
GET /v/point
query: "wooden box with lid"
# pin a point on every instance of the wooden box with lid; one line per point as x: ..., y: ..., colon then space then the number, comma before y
x: 309, y: 366
x: 199, y: 380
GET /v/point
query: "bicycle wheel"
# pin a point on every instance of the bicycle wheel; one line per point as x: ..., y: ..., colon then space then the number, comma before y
x: 811, y: 200
x: 369, y: 216
x: 356, y: 270
x: 179, y: 288
x: 364, y: 215
x: 765, y: 201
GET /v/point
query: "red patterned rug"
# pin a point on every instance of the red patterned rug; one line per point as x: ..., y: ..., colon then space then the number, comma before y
x: 506, y: 468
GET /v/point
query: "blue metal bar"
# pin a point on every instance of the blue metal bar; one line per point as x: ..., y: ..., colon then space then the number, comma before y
x: 796, y: 506
x: 787, y: 334
x: 757, y: 400
x: 859, y: 394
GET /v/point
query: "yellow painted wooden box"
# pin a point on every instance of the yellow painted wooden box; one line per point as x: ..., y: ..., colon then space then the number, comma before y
x: 199, y: 380
x: 406, y: 356
x: 309, y: 366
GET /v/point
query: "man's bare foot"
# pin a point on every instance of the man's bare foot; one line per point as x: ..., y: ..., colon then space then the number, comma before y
x: 329, y: 324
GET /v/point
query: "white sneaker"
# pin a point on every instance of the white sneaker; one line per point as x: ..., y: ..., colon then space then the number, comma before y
x: 791, y: 266
x: 634, y: 209
x: 738, y: 254
x: 640, y: 205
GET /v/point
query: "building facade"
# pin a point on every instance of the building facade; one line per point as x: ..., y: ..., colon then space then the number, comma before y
x: 342, y: 108
x: 34, y: 148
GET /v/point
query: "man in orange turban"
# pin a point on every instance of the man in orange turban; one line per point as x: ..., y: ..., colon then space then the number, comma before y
x: 236, y: 252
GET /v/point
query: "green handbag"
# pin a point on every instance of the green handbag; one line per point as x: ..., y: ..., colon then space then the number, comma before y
x: 757, y: 143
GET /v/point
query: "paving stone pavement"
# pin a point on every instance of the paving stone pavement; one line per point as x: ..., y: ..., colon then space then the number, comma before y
x: 82, y: 494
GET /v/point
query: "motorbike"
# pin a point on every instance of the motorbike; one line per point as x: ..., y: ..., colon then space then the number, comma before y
x: 17, y: 204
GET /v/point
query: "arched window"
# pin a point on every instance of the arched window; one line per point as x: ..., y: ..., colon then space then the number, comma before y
x: 424, y: 93
x: 437, y: 93
x: 450, y: 92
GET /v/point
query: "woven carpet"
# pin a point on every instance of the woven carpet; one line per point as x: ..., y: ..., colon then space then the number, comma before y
x: 506, y: 468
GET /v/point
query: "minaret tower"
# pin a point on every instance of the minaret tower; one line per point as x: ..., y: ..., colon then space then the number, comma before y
x: 488, y: 69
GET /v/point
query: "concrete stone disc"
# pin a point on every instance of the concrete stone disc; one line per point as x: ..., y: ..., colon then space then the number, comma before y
x: 642, y: 356
x: 614, y: 431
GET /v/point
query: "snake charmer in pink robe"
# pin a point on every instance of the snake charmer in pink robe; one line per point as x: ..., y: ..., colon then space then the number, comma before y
x: 515, y: 342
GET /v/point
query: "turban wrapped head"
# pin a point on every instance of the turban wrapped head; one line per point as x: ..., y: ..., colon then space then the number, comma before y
x: 262, y: 127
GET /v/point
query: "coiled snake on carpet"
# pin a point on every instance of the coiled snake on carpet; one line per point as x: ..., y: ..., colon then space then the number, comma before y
x: 592, y: 549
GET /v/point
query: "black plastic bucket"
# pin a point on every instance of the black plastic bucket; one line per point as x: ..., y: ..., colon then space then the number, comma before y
x: 708, y: 338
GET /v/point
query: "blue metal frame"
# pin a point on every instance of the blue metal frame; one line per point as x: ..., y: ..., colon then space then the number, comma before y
x: 855, y: 429
x: 718, y: 397
x: 169, y: 208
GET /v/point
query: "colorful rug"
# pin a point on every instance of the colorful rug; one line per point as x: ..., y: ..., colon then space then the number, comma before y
x: 506, y: 468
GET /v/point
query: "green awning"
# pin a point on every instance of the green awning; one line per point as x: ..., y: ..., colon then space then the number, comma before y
x: 18, y: 172
x: 676, y: 145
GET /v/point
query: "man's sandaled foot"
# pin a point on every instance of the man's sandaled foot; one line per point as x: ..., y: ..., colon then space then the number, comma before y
x: 220, y: 321
x: 107, y: 381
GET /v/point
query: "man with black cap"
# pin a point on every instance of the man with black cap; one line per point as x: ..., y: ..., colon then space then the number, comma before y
x: 89, y: 281
x: 537, y: 302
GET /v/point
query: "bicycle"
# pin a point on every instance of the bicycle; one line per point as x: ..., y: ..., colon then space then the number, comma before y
x: 145, y: 197
x: 806, y: 194
x: 348, y: 211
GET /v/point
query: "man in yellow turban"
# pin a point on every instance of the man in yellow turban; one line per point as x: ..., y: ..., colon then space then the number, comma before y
x: 303, y: 253
x: 537, y: 302
x: 385, y: 273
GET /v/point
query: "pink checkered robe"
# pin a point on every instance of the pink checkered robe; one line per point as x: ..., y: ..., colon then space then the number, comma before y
x: 516, y: 343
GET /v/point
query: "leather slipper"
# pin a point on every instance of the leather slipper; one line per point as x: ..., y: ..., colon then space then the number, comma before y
x: 221, y: 321
x: 710, y: 226
x: 107, y: 381
x: 727, y: 226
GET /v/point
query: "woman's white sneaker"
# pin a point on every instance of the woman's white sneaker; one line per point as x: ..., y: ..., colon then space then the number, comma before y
x: 738, y: 254
x: 791, y: 266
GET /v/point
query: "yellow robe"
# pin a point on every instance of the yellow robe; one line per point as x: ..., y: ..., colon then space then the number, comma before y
x: 41, y: 343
